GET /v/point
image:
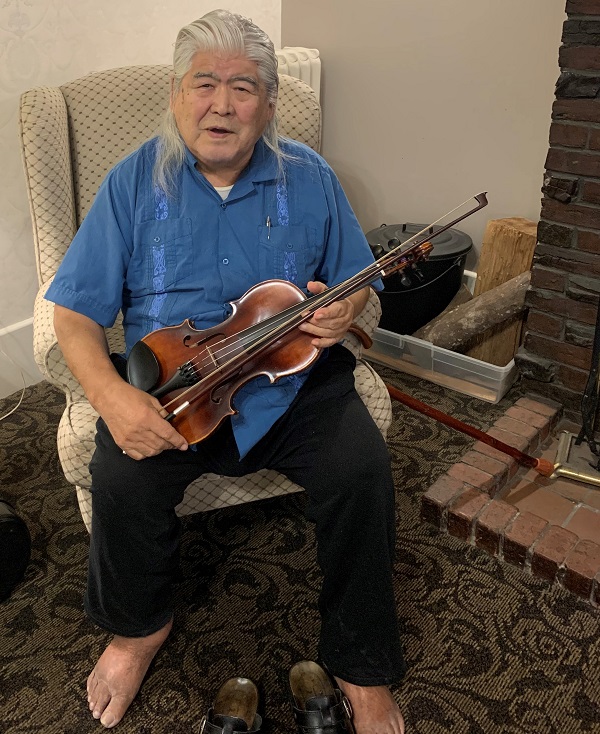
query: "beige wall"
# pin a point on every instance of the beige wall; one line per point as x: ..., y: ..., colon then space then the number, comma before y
x: 428, y: 103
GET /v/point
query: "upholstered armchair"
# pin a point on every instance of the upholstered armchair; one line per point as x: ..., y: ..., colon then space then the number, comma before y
x: 71, y: 136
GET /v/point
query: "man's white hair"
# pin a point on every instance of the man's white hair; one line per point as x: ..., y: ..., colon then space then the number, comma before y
x: 216, y: 32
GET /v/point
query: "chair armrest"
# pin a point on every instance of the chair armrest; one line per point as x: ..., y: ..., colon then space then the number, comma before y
x: 48, y: 354
x: 367, y: 320
x: 46, y: 351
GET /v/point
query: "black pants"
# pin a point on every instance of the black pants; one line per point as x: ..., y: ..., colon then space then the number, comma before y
x: 326, y: 442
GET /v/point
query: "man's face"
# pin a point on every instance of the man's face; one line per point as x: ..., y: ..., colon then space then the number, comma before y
x: 221, y: 111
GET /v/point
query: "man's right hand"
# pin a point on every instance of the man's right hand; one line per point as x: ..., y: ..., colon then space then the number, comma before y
x: 134, y: 418
x: 136, y: 422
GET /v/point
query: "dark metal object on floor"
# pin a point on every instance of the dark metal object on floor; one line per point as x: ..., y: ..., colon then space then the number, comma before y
x: 564, y: 468
x: 15, y: 549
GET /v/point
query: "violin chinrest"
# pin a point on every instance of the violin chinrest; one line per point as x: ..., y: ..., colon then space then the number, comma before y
x: 143, y: 369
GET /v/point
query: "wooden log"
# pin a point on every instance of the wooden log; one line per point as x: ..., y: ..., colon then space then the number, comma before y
x: 463, y: 295
x: 459, y: 326
x: 507, y: 251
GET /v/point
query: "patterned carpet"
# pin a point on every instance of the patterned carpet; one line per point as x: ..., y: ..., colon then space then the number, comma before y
x: 490, y: 650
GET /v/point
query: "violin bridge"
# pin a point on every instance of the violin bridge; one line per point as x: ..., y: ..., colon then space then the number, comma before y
x: 212, y: 356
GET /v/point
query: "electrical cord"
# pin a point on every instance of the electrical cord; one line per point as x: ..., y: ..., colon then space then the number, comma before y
x: 16, y: 407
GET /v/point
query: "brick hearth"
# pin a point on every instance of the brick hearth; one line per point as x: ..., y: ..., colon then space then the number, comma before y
x: 549, y: 527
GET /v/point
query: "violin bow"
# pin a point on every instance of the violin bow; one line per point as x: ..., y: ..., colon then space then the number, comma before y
x: 542, y: 466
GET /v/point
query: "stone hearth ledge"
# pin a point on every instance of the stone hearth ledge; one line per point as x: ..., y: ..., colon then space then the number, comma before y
x: 464, y: 502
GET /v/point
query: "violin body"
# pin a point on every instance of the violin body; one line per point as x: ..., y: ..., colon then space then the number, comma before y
x: 182, y: 366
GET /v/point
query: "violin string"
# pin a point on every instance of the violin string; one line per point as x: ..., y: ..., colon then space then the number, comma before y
x: 222, y: 349
x: 264, y: 331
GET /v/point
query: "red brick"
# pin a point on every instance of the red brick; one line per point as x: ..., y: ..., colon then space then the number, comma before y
x: 487, y: 464
x: 506, y: 459
x: 582, y: 566
x: 473, y: 476
x: 570, y: 136
x: 520, y: 536
x: 585, y: 58
x: 594, y: 139
x: 585, y: 523
x: 548, y: 279
x: 550, y: 552
x: 550, y: 409
x: 573, y: 162
x: 572, y: 378
x: 583, y: 110
x: 506, y: 423
x: 463, y: 510
x: 542, y: 501
x: 490, y: 524
x: 592, y: 498
x: 559, y: 351
x: 545, y: 324
x: 511, y: 439
x: 588, y: 242
x: 572, y: 491
x: 561, y: 306
x: 591, y: 192
x: 582, y: 7
x: 541, y: 423
x: 435, y: 501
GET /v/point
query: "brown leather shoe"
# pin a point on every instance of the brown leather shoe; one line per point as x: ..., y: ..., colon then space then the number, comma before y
x: 319, y: 707
x: 234, y: 709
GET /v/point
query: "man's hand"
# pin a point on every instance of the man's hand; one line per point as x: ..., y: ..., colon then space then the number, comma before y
x: 134, y: 418
x: 329, y: 324
x: 136, y: 422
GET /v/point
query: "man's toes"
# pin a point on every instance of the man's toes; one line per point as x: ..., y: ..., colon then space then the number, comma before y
x: 100, y: 701
x: 91, y: 684
x: 115, y: 711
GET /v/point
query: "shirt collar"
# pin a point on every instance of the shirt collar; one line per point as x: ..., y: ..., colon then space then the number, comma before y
x: 262, y: 166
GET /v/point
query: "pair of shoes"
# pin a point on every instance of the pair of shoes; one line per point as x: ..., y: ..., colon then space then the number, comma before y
x: 319, y: 707
x: 234, y: 709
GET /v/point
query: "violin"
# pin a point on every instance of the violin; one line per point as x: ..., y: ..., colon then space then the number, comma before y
x: 195, y: 373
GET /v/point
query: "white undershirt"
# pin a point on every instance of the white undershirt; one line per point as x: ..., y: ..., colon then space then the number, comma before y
x: 223, y: 191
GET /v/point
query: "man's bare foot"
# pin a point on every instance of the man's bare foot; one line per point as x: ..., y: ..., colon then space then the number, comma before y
x: 118, y: 675
x: 374, y: 707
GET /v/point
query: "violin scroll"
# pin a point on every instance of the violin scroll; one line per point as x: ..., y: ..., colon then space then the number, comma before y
x: 410, y: 259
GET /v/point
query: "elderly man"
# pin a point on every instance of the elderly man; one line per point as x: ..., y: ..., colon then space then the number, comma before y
x: 183, y: 226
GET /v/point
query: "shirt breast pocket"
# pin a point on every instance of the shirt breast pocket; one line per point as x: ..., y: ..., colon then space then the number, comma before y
x: 163, y: 253
x: 288, y: 253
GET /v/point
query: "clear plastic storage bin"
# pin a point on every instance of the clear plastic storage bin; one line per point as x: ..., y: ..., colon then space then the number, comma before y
x: 442, y: 366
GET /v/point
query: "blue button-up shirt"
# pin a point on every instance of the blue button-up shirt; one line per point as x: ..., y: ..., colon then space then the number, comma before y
x: 161, y: 260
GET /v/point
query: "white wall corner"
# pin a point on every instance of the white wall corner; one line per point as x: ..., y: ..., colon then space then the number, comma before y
x: 17, y: 365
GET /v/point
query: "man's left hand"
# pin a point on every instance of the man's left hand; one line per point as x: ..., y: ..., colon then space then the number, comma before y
x: 328, y: 324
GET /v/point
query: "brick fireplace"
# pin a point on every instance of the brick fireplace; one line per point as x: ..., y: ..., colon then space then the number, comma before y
x: 555, y: 357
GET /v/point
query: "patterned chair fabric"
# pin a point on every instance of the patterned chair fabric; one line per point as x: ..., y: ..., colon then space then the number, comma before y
x: 71, y: 136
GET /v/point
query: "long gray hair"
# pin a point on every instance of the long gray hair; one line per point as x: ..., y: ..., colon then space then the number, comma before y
x: 222, y: 32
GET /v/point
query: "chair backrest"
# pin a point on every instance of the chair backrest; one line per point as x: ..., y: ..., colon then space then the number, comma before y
x: 74, y: 134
